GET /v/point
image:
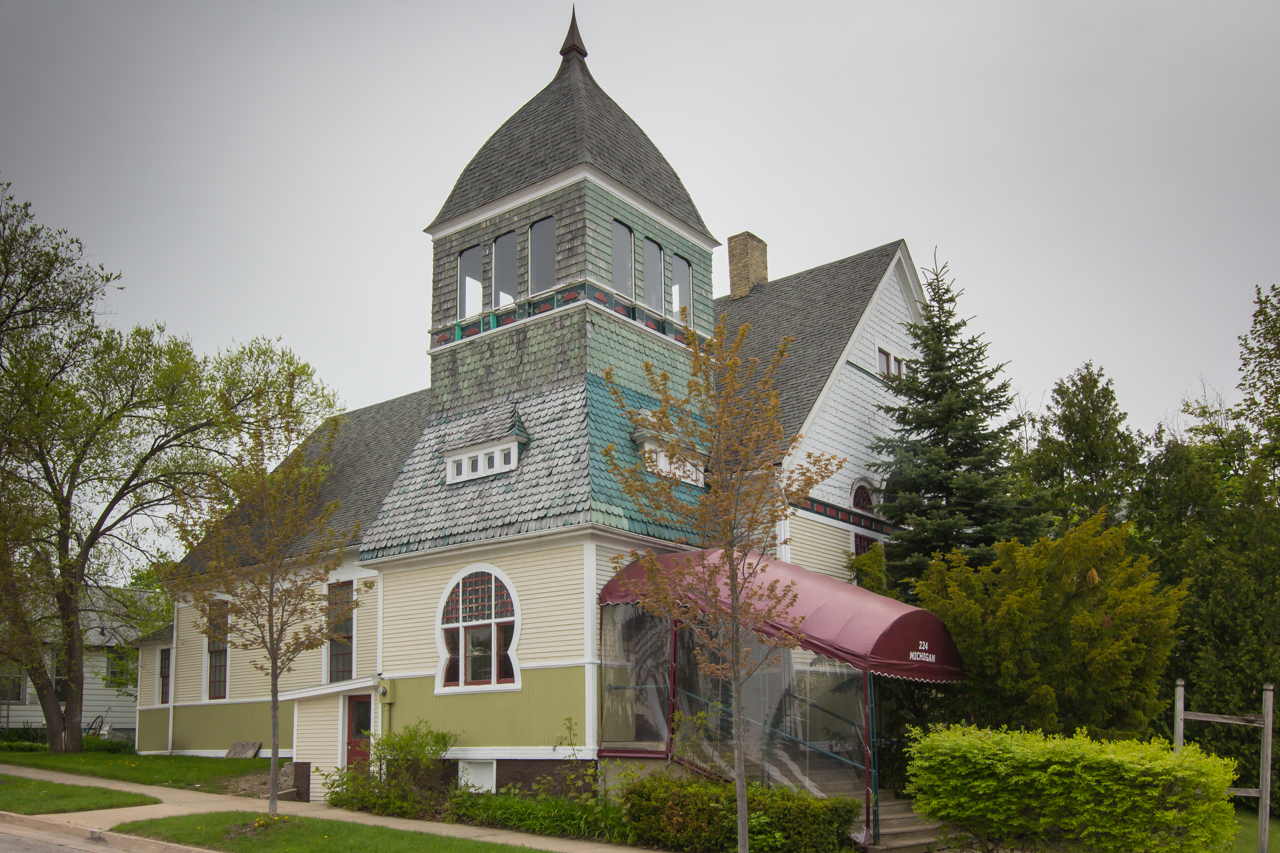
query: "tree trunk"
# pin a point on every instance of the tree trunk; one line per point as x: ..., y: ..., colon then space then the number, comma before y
x: 275, y: 743
x: 49, y: 706
x: 739, y: 760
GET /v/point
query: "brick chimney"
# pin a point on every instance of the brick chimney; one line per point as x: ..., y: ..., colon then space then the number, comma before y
x: 748, y: 263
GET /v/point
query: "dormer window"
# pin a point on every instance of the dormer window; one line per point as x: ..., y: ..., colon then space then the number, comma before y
x: 474, y: 462
x: 664, y: 466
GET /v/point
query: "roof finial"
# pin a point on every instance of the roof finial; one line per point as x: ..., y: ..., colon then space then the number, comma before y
x: 573, y: 41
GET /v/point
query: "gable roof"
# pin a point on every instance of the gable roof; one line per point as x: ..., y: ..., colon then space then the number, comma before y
x: 572, y: 122
x: 821, y: 308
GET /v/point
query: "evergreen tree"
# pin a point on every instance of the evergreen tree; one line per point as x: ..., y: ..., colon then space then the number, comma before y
x: 949, y: 484
x: 1085, y: 459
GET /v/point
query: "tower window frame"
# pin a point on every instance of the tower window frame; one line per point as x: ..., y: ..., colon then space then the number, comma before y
x: 542, y: 255
x: 470, y: 282
x: 655, y: 286
x: 681, y: 291
x: 623, y: 259
x: 504, y: 285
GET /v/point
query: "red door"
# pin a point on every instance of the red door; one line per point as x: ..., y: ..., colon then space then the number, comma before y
x: 359, y: 721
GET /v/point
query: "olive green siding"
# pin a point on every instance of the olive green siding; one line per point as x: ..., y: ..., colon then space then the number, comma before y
x: 602, y: 208
x: 219, y: 726
x: 153, y: 730
x: 531, y: 716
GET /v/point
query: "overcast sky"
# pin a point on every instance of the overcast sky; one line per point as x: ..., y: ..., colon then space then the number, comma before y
x: 1101, y: 177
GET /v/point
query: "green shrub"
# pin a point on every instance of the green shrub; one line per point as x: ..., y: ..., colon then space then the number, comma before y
x: 25, y: 734
x: 406, y: 776
x: 93, y: 743
x: 22, y: 746
x: 571, y: 816
x: 698, y: 815
x: 1026, y: 791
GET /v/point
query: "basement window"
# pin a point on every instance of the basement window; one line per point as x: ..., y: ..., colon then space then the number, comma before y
x: 474, y: 462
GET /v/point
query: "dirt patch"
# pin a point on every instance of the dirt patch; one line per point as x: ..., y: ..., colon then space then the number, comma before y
x: 259, y: 784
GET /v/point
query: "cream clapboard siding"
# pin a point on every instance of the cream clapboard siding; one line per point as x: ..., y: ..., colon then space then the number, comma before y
x: 820, y: 547
x: 548, y: 585
x: 243, y: 681
x: 148, y: 677
x: 316, y: 738
x: 100, y: 699
x: 188, y: 658
x: 366, y: 615
x: 307, y: 671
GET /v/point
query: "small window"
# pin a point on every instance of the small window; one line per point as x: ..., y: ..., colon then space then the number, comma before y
x: 664, y: 466
x: 897, y: 366
x: 341, y: 635
x: 504, y: 271
x: 681, y: 292
x: 470, y: 295
x: 624, y: 260
x: 542, y: 255
x: 11, y: 679
x: 862, y: 544
x: 218, y: 629
x: 654, y: 277
x: 478, y: 625
x: 862, y: 498
x: 465, y: 464
x: 884, y: 362
x: 165, y: 657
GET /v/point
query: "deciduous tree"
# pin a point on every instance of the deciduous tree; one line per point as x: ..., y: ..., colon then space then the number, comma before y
x: 721, y: 432
x: 260, y: 544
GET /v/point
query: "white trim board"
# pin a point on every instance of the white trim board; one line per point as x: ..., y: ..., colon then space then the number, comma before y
x: 265, y: 752
x: 587, y: 753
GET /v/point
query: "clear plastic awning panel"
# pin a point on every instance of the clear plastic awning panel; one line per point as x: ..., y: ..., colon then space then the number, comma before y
x: 838, y: 620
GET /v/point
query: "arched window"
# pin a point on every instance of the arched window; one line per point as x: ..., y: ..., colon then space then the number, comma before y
x: 862, y: 499
x: 478, y: 626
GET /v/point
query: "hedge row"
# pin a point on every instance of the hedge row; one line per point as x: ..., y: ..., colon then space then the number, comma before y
x: 22, y: 746
x: 1024, y: 791
x: 697, y: 815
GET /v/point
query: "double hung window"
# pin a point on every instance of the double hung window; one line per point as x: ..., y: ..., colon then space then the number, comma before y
x: 218, y: 627
x: 340, y: 631
x: 165, y: 663
x: 478, y: 624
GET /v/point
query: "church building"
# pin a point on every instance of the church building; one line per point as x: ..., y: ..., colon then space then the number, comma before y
x: 489, y: 518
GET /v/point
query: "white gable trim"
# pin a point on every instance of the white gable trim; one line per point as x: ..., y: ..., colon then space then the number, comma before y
x: 847, y: 354
x: 562, y: 180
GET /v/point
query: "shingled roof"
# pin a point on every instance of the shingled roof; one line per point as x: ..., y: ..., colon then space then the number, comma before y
x: 821, y: 308
x: 570, y: 123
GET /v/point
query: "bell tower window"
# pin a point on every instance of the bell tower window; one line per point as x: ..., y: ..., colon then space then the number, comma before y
x: 654, y: 283
x: 542, y: 255
x: 470, y: 290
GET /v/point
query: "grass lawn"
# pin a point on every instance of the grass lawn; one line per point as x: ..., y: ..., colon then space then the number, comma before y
x: 173, y: 771
x: 31, y: 796
x: 1247, y: 835
x: 241, y: 832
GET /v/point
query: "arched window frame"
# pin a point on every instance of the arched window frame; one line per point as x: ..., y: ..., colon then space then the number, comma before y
x: 872, y: 492
x: 442, y: 650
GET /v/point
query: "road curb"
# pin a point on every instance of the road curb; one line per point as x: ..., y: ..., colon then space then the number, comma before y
x: 118, y: 840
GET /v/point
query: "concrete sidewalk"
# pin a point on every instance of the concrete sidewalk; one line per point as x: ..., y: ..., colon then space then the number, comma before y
x: 178, y: 801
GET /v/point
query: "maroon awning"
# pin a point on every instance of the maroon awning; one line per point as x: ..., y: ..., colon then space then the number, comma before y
x: 841, y: 621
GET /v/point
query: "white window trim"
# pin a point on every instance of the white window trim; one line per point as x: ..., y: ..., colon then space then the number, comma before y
x: 663, y: 466
x: 442, y: 651
x: 480, y: 451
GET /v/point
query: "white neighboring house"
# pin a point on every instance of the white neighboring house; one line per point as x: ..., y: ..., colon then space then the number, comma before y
x: 105, y: 642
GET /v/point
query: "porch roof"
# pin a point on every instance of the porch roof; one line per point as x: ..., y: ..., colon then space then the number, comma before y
x: 839, y: 620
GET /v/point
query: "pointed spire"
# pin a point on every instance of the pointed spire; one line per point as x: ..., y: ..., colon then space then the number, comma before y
x: 573, y: 41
